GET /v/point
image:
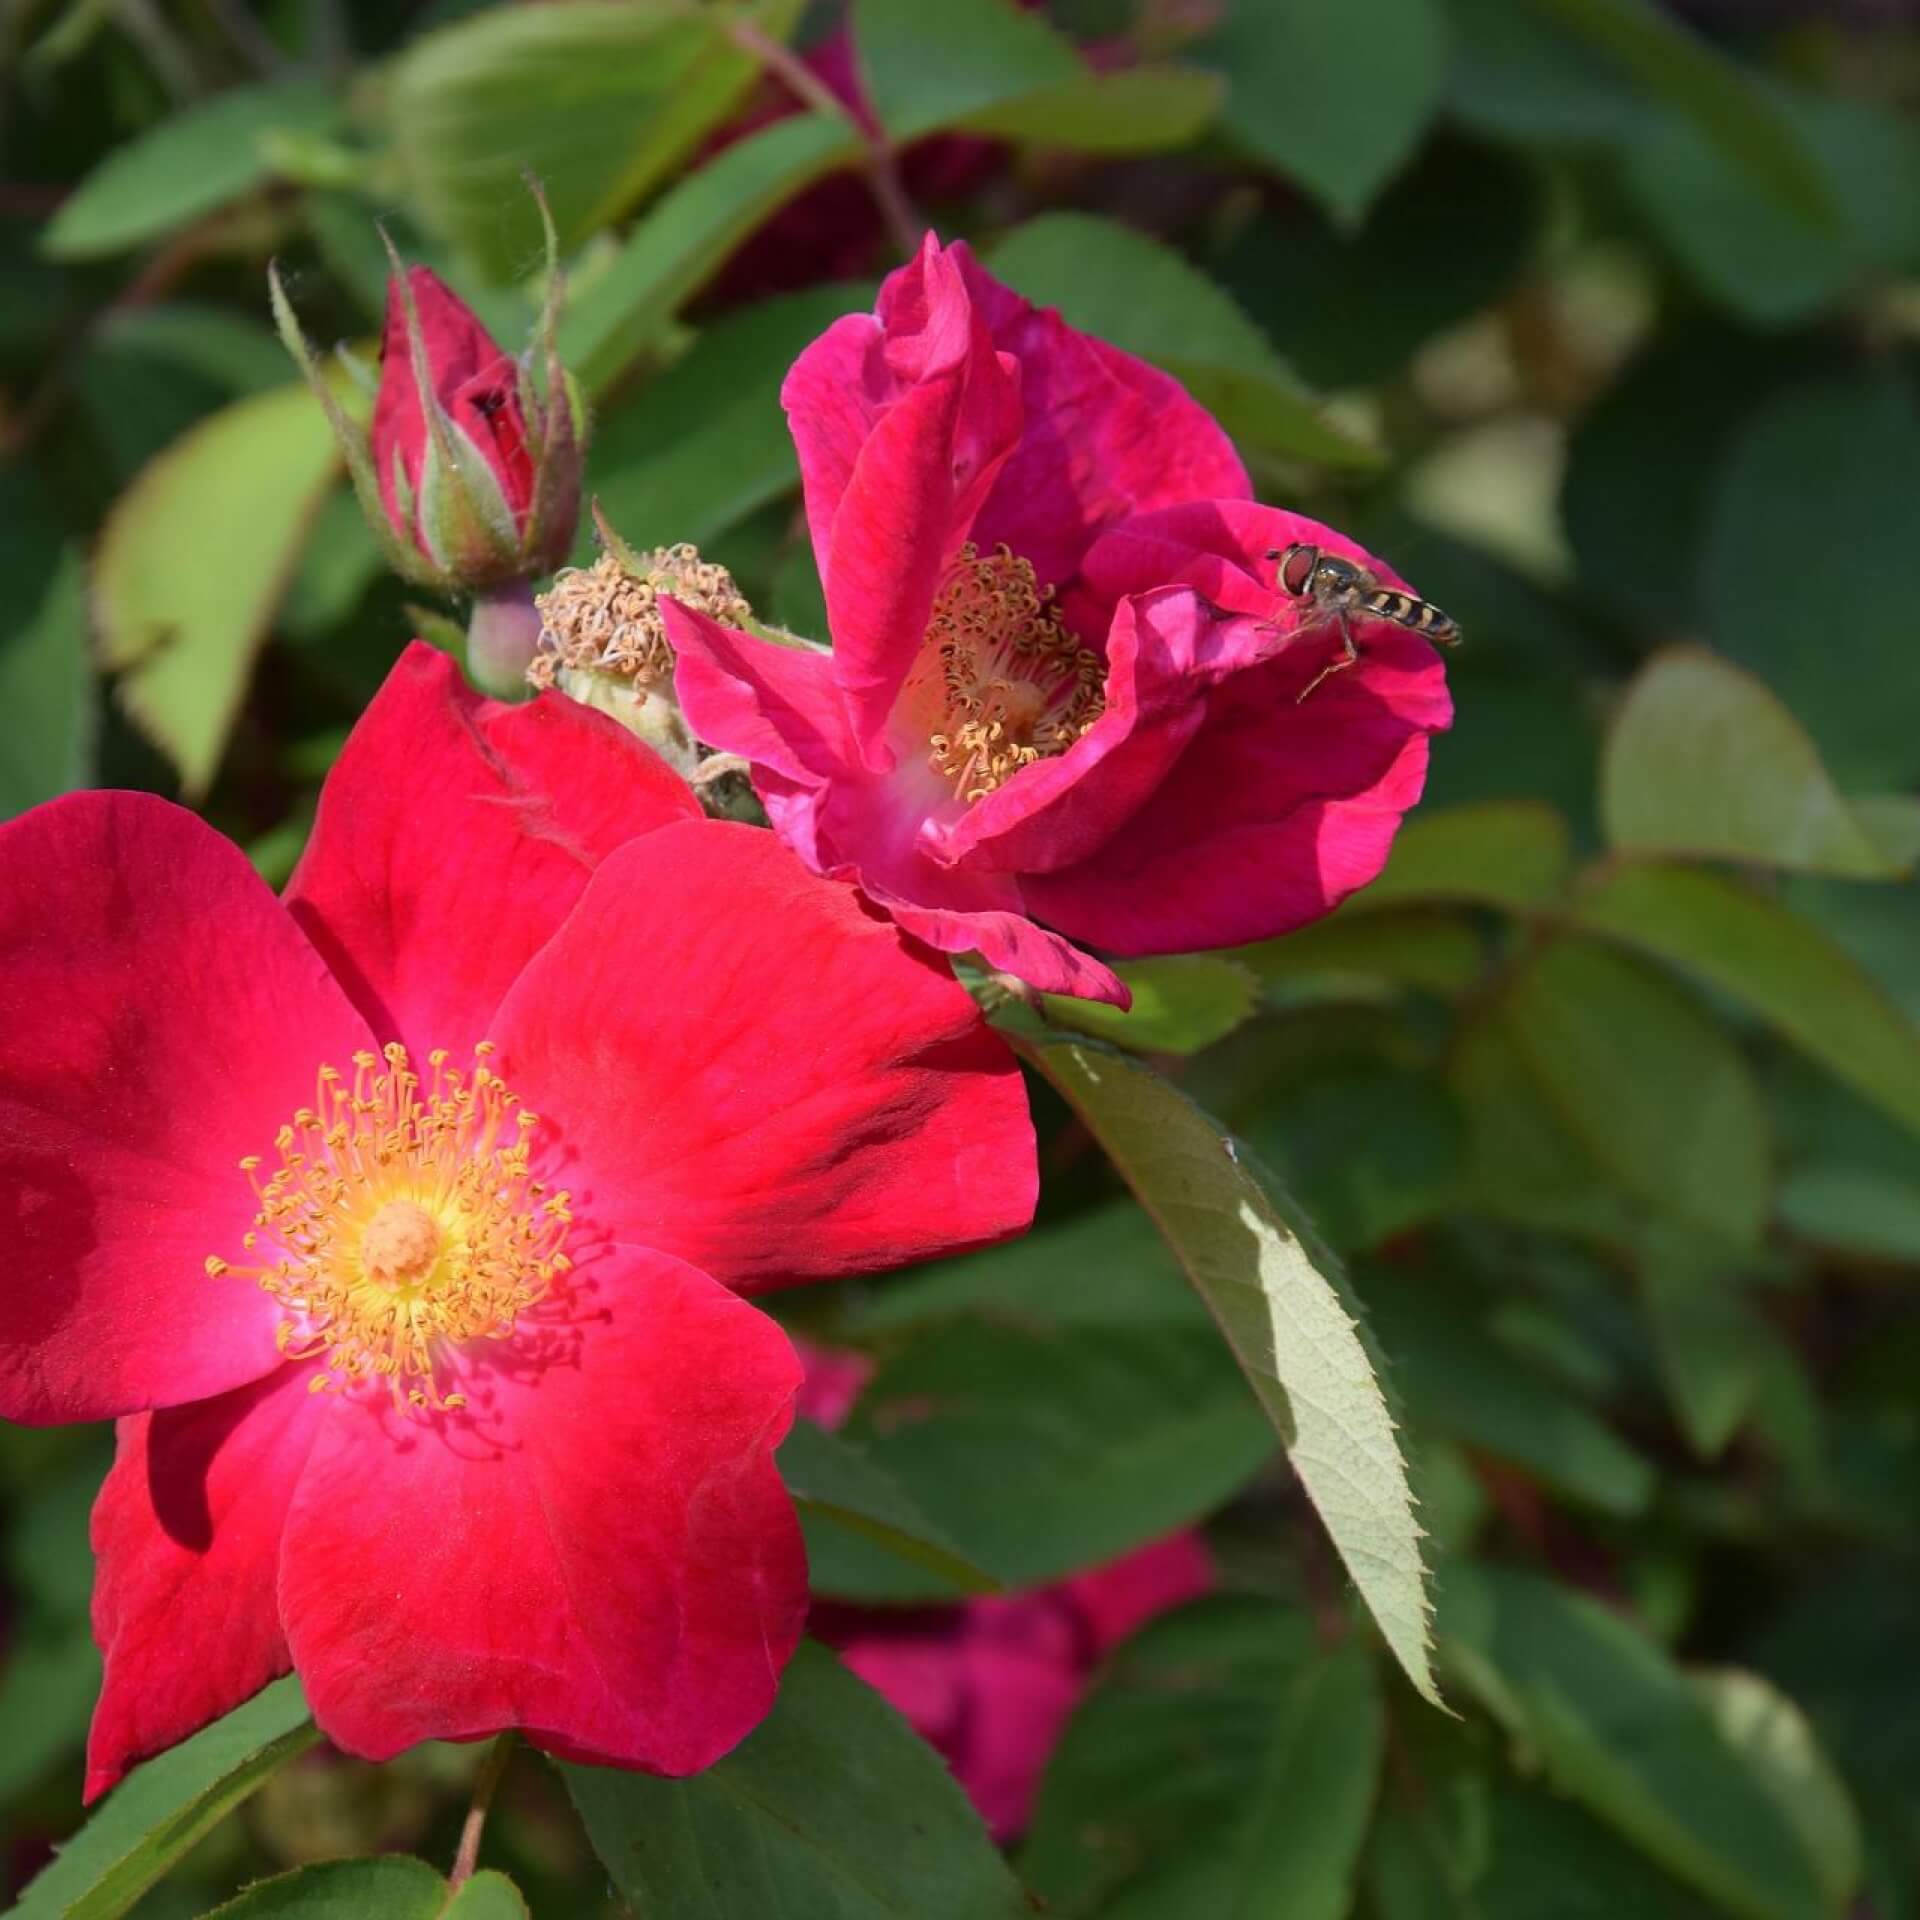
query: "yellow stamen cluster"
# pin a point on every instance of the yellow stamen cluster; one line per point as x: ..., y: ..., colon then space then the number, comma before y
x: 1015, y: 686
x: 606, y: 618
x: 401, y: 1221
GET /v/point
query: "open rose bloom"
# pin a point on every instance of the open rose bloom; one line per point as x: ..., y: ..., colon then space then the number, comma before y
x: 404, y: 1224
x: 1062, y: 710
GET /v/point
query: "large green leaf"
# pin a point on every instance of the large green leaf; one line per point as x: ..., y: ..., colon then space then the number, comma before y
x: 1704, y: 760
x: 686, y: 236
x: 1501, y: 853
x: 1813, y: 585
x: 1622, y: 1730
x: 162, y: 1808
x: 599, y: 99
x: 1181, y: 1003
x: 1139, y: 294
x: 831, y: 1809
x: 840, y: 1491
x: 1281, y: 1746
x: 705, y: 443
x: 1334, y: 94
x: 186, y: 166
x: 1113, y: 1435
x: 193, y: 561
x: 1748, y: 944
x: 1004, y: 70
x: 1648, y: 1082
x: 1281, y: 1314
x: 1715, y: 92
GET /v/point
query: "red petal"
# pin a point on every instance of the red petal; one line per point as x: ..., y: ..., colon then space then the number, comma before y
x: 1104, y: 436
x: 754, y: 1074
x: 455, y: 834
x: 598, y: 1550
x: 901, y: 423
x: 164, y: 1017
x: 186, y: 1535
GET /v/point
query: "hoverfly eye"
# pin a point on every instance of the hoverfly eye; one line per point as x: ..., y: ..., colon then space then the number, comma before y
x: 1298, y: 564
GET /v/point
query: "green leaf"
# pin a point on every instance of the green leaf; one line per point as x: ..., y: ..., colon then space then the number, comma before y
x: 1715, y: 93
x: 1620, y: 1729
x: 1649, y: 1083
x: 686, y: 236
x: 1704, y: 760
x: 1181, y: 1003
x: 1518, y: 75
x: 704, y: 443
x: 1336, y: 94
x: 226, y: 350
x: 1003, y: 70
x: 1780, y: 1747
x: 46, y: 686
x: 1458, y: 1380
x: 840, y: 1490
x: 1423, y: 947
x: 1812, y: 587
x: 1500, y: 853
x: 390, y: 1888
x: 832, y: 1809
x: 1712, y: 1353
x: 162, y: 1808
x: 185, y: 166
x: 1785, y: 967
x: 487, y: 1896
x: 1113, y: 1435
x: 1280, y: 1748
x: 1142, y: 296
x: 193, y: 561
x: 600, y: 99
x: 1281, y: 1315
x: 1857, y: 1209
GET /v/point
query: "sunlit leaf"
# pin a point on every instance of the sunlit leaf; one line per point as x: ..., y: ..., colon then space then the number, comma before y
x: 832, y: 1809
x: 1139, y: 294
x: 1181, y: 1003
x: 183, y: 167
x: 1283, y: 1318
x: 163, y: 1807
x: 193, y: 561
x: 1501, y: 853
x: 391, y: 1888
x: 1704, y: 760
x: 1281, y: 1744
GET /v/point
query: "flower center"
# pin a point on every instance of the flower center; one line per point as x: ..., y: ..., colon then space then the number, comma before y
x: 1014, y: 686
x: 401, y: 1221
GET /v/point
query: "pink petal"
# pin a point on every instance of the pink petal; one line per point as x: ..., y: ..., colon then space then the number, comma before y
x: 756, y: 1075
x: 453, y: 837
x: 186, y: 1536
x: 598, y: 1549
x: 1104, y: 435
x: 901, y: 424
x: 1117, y: 1600
x: 164, y: 1018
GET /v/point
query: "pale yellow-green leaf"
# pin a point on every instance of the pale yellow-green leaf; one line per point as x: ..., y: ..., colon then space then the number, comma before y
x: 1281, y: 1314
x: 192, y: 564
x: 1181, y: 1003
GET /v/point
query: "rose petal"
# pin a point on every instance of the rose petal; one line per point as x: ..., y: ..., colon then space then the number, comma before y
x: 756, y: 1075
x: 186, y: 1537
x: 454, y: 836
x: 163, y: 1018
x: 598, y: 1550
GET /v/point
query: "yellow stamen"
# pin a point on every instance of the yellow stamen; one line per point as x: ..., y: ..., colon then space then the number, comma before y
x: 401, y: 1222
x: 1013, y: 685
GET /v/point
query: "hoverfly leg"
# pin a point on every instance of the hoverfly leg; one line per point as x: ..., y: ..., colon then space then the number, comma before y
x: 1349, y: 656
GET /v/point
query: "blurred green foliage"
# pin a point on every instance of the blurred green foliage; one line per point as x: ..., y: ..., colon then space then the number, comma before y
x: 1598, y: 318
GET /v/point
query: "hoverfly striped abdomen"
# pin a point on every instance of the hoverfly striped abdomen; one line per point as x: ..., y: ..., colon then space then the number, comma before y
x: 1334, y: 589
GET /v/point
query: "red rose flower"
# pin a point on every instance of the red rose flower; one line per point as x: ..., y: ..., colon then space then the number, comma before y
x: 452, y: 1409
x: 991, y: 1684
x: 988, y: 760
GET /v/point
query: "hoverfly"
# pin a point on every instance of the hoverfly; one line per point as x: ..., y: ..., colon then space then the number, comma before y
x: 1333, y: 590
